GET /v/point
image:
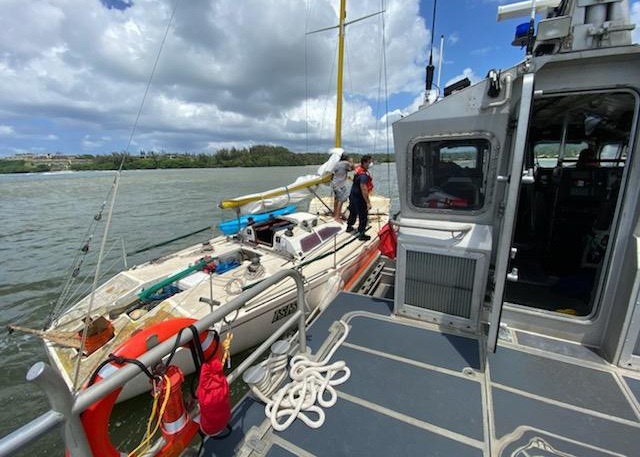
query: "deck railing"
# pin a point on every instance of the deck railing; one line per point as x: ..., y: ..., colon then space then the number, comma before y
x: 67, y: 407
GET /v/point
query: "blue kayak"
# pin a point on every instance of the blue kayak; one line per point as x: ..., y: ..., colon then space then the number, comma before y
x: 235, y: 225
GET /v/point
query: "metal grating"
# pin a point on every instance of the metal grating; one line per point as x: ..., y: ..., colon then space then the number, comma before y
x: 440, y: 283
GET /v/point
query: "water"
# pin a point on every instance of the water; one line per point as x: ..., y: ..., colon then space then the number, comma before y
x: 44, y: 219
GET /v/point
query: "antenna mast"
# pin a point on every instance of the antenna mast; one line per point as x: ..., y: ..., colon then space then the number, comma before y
x: 430, y: 68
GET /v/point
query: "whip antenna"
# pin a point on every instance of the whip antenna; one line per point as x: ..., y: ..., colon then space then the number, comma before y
x: 430, y: 68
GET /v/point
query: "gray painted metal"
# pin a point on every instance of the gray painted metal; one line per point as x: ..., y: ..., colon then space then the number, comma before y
x: 401, y: 401
x: 634, y: 386
x: 450, y: 402
x: 277, y: 451
x: 451, y: 352
x: 344, y: 303
x: 514, y: 412
x: 559, y: 347
x: 58, y: 393
x: 24, y: 436
x: 440, y: 283
x: 352, y: 429
x: 503, y: 251
x: 61, y: 401
x: 564, y: 382
x: 608, y: 70
x: 469, y: 249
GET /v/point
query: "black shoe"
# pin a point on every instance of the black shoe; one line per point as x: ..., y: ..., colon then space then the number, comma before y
x: 364, y: 237
x: 349, y: 229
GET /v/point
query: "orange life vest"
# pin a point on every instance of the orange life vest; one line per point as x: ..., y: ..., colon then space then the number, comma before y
x: 360, y: 170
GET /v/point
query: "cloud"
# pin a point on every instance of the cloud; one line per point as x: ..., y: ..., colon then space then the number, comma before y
x: 466, y: 73
x: 453, y: 38
x: 482, y: 51
x: 635, y: 19
x: 6, y: 130
x: 230, y: 72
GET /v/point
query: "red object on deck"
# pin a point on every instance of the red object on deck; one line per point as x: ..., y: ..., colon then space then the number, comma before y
x: 213, y: 395
x: 388, y: 241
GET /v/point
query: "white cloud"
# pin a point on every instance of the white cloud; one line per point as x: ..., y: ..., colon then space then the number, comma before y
x: 482, y: 51
x: 635, y: 19
x: 466, y: 73
x: 6, y: 130
x: 453, y: 38
x: 230, y: 72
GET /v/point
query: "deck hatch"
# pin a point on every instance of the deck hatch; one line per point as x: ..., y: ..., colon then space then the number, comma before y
x: 440, y: 283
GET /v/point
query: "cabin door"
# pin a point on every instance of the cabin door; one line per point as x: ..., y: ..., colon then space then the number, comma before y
x: 512, y: 181
x: 563, y: 252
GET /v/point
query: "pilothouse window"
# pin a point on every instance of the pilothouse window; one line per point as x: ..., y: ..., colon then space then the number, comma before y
x: 449, y: 174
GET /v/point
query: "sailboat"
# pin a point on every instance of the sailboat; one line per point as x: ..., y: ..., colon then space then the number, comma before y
x: 267, y: 234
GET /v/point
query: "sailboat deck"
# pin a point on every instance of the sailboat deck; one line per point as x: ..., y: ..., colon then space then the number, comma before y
x: 415, y: 390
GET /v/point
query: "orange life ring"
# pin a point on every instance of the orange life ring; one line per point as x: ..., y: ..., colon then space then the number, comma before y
x: 95, y: 419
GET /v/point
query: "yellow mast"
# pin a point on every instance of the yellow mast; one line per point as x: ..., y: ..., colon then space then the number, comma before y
x: 343, y: 15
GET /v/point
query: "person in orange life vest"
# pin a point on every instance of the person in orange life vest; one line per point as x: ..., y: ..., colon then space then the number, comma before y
x: 359, y: 202
x: 339, y: 185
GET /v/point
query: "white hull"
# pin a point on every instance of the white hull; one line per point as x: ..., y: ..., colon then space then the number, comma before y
x: 324, y: 270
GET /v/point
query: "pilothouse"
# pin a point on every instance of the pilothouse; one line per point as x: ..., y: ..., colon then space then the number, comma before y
x: 522, y: 189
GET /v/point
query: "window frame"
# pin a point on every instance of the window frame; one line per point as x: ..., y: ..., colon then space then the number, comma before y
x: 488, y: 170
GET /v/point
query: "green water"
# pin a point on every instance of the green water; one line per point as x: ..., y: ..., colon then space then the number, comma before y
x: 43, y: 221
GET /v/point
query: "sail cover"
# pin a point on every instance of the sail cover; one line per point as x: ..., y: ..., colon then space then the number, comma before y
x: 301, y: 188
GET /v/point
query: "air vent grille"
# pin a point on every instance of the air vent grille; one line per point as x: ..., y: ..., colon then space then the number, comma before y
x: 440, y: 283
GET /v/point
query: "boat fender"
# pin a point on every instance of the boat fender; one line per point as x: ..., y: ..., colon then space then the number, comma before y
x: 213, y: 396
x: 95, y: 419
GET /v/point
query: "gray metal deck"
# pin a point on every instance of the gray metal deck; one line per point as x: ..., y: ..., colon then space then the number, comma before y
x: 417, y: 391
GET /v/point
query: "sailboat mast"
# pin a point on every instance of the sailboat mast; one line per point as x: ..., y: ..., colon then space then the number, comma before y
x: 343, y: 15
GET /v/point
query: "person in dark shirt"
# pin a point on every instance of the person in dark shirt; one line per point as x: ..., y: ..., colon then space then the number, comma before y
x: 359, y: 202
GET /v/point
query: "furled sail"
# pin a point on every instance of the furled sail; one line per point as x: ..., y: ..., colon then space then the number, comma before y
x: 302, y: 188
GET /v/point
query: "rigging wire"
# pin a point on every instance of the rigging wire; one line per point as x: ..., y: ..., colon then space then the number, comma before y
x: 306, y: 75
x: 386, y: 99
x: 113, y: 197
x: 326, y: 102
x: 350, y: 79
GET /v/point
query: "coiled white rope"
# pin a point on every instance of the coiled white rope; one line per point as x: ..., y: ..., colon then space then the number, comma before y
x: 311, y: 382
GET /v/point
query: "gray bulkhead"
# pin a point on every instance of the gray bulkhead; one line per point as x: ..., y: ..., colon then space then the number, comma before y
x: 612, y: 326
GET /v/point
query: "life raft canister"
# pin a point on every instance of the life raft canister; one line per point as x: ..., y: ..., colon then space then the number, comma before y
x: 95, y: 419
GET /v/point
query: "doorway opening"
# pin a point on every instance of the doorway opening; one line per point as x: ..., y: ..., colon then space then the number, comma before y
x: 577, y: 148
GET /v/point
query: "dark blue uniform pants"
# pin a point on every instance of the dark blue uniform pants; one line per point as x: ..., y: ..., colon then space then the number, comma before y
x: 358, y: 208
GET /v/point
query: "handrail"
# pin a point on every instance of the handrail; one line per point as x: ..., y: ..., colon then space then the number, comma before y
x: 62, y: 412
x: 438, y: 228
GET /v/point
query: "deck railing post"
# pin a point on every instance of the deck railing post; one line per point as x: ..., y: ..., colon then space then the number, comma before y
x: 302, y: 331
x: 61, y: 401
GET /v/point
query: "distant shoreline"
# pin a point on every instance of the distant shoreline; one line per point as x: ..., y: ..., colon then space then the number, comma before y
x: 256, y: 156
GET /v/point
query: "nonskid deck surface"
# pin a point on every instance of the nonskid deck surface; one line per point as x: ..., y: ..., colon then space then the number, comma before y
x: 417, y: 391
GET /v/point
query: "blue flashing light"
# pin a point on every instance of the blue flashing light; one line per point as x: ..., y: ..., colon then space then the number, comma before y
x: 522, y: 35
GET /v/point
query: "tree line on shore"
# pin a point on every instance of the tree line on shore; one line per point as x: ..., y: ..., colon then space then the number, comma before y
x: 254, y: 156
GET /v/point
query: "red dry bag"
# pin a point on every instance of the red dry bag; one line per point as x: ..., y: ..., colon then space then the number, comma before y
x: 388, y: 241
x: 213, y: 395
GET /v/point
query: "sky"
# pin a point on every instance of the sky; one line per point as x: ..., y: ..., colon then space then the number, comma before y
x: 232, y: 73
